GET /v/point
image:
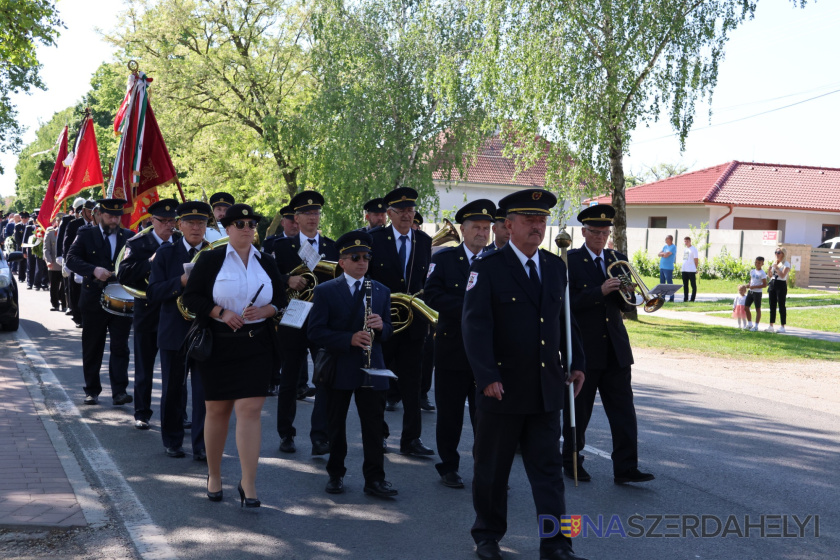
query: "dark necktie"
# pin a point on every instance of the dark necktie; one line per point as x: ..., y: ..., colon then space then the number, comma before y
x: 600, y: 268
x: 472, y: 259
x: 532, y: 274
x: 404, y: 252
x: 311, y: 242
x: 108, y: 244
x: 192, y: 252
x: 358, y: 285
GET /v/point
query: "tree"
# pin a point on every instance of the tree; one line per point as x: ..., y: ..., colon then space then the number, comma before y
x: 394, y: 103
x: 586, y: 73
x: 23, y: 25
x: 225, y: 69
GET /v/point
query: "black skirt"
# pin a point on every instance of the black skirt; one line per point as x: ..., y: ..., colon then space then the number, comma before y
x: 241, y: 364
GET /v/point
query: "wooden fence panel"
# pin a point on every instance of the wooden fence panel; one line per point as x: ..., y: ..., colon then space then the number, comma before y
x: 825, y: 268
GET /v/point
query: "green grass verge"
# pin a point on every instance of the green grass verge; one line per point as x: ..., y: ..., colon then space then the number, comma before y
x: 726, y: 304
x: 722, y: 286
x: 816, y: 319
x: 725, y: 342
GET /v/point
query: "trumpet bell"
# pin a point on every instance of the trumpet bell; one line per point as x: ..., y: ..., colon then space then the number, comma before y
x: 632, y: 286
x: 447, y: 236
x: 327, y: 269
x: 403, y: 307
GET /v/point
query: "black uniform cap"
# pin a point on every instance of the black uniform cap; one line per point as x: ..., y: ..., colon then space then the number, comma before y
x: 90, y: 204
x: 403, y: 197
x: 287, y: 212
x: 24, y: 214
x: 194, y: 210
x: 222, y: 198
x: 600, y: 215
x: 375, y: 206
x: 501, y: 213
x: 481, y: 209
x: 354, y: 241
x: 239, y: 212
x: 418, y: 218
x: 113, y: 206
x: 531, y: 202
x: 305, y: 201
x: 165, y: 208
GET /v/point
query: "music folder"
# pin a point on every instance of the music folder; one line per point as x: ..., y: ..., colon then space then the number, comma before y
x: 380, y: 372
x: 665, y: 289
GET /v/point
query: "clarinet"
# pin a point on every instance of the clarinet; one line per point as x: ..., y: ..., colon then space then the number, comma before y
x: 368, y: 312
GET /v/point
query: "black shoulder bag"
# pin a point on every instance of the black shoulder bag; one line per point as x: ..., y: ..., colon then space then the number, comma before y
x: 198, y: 344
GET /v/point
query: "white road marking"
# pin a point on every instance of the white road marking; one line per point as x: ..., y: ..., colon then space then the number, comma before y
x: 148, y: 538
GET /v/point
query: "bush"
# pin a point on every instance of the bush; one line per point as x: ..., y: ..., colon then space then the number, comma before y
x: 727, y: 267
x: 645, y: 264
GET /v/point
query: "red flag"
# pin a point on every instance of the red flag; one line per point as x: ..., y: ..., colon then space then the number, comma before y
x: 85, y: 171
x: 46, y: 215
x: 141, y: 207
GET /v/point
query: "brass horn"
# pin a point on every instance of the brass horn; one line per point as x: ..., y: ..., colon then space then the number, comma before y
x: 133, y: 291
x: 325, y: 268
x: 632, y: 284
x: 403, y: 307
x: 186, y: 313
x: 447, y: 236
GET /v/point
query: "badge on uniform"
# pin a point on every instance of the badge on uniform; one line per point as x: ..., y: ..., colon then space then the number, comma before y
x: 431, y: 269
x: 473, y: 279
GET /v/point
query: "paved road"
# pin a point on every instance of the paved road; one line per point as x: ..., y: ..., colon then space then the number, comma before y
x: 715, y: 453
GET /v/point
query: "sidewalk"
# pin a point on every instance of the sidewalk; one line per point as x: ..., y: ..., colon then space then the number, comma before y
x: 34, y: 489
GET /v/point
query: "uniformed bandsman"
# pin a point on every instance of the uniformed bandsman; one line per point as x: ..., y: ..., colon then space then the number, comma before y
x: 514, y: 301
x: 374, y: 213
x: 444, y: 292
x: 92, y: 257
x: 134, y: 272
x: 84, y: 211
x: 166, y: 284
x: 597, y: 306
x: 220, y: 202
x: 287, y: 222
x: 500, y: 232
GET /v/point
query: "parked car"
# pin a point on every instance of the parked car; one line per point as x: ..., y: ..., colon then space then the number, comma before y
x: 833, y: 243
x: 9, y: 311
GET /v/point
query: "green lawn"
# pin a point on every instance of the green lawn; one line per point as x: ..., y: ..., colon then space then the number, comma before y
x: 726, y: 304
x: 722, y: 286
x: 696, y: 338
x: 827, y: 320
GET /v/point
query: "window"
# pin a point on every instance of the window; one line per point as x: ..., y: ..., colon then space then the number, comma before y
x: 830, y: 231
x: 658, y: 222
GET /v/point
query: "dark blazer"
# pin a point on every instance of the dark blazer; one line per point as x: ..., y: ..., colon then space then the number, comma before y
x: 198, y: 293
x: 514, y: 337
x: 163, y: 291
x: 599, y: 317
x: 71, y: 233
x: 268, y: 243
x: 18, y: 235
x: 333, y: 321
x: 88, y: 251
x: 444, y: 292
x: 286, y: 251
x: 386, y: 268
x: 62, y: 233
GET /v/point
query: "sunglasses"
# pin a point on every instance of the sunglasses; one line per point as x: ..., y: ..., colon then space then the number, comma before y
x: 356, y: 257
x: 242, y: 224
x: 779, y: 252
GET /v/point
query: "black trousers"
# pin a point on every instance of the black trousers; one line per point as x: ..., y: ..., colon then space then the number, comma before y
x: 42, y: 276
x: 22, y: 267
x: 173, y: 402
x: 73, y: 302
x: 778, y: 297
x: 428, y: 366
x: 692, y: 278
x: 403, y: 355
x: 31, y: 266
x: 614, y: 385
x: 97, y: 325
x: 370, y: 405
x: 145, y: 350
x: 496, y: 438
x: 452, y: 388
x: 57, y: 289
x: 295, y: 351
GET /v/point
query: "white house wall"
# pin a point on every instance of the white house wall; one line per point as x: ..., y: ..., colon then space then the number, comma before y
x: 678, y: 216
x: 797, y: 226
x: 454, y: 195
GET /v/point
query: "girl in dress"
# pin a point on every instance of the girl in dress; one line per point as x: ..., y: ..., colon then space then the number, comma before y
x: 738, y: 310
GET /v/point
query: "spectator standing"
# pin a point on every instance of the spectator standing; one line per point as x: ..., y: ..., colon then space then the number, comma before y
x: 758, y: 281
x: 691, y: 259
x: 777, y: 290
x: 667, y: 257
x: 739, y: 312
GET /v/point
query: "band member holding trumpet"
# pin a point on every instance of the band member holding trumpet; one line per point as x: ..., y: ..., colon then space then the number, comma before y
x: 134, y: 272
x: 92, y: 257
x: 351, y: 316
x: 597, y: 306
x: 166, y: 283
x: 444, y: 291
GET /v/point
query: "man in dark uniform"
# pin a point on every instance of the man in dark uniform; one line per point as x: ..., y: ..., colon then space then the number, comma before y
x: 92, y: 257
x: 134, y: 273
x: 220, y: 202
x: 287, y: 216
x: 514, y: 300
x: 428, y: 359
x: 75, y: 208
x: 374, y: 213
x: 74, y: 288
x: 294, y: 342
x: 166, y: 284
x: 401, y: 262
x: 337, y: 323
x: 444, y: 292
x: 500, y: 232
x: 597, y: 306
x: 20, y: 239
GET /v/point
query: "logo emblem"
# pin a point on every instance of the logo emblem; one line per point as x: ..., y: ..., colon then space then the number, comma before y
x: 483, y: 210
x: 244, y: 212
x: 536, y: 196
x: 603, y: 216
x: 358, y: 242
x: 309, y: 201
x: 472, y: 281
x: 570, y: 525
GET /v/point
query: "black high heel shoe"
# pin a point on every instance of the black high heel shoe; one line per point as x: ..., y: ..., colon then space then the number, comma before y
x: 246, y: 502
x: 213, y: 496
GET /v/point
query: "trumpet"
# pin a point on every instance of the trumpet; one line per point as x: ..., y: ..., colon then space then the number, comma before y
x: 326, y: 268
x: 632, y: 284
x: 403, y: 307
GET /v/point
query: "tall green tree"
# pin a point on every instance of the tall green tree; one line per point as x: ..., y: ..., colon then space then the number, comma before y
x: 23, y: 25
x: 394, y: 103
x: 585, y: 73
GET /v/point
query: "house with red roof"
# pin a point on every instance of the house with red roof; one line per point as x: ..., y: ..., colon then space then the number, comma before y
x: 802, y: 202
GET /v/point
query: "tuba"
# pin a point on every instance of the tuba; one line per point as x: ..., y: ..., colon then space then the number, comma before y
x: 325, y: 268
x: 632, y: 284
x: 186, y: 313
x: 446, y: 236
x: 403, y: 307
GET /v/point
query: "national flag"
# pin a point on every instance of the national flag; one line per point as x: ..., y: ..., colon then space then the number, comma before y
x: 570, y: 525
x: 85, y: 170
x: 45, y: 216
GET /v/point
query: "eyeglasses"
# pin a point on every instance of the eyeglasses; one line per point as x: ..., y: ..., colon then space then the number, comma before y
x: 311, y: 213
x: 356, y: 257
x: 402, y: 211
x: 242, y: 224
x: 168, y: 221
x: 596, y: 233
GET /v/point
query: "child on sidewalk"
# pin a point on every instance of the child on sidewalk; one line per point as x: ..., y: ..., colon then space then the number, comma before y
x: 738, y: 310
x: 758, y: 281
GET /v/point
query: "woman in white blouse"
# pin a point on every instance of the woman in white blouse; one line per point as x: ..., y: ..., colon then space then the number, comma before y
x: 236, y: 290
x: 777, y: 289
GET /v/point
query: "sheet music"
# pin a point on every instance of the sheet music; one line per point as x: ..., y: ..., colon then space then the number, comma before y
x: 309, y: 255
x: 296, y: 313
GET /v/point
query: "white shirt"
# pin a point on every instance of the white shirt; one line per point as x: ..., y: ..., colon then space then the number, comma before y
x: 157, y: 238
x: 689, y: 254
x: 235, y: 285
x: 304, y: 239
x: 351, y: 283
x: 524, y: 260
x: 756, y: 276
x: 187, y: 246
x: 602, y: 256
x: 470, y: 256
x: 112, y: 239
x: 782, y: 266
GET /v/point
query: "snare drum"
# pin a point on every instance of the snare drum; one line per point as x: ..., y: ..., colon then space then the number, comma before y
x: 117, y: 301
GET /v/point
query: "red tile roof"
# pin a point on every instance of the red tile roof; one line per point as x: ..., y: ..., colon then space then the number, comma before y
x: 493, y: 168
x: 756, y: 185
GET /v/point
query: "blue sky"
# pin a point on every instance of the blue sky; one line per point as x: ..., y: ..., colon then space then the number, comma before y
x: 785, y: 55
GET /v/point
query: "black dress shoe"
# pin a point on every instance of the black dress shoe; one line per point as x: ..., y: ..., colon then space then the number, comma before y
x: 214, y: 496
x: 141, y: 424
x: 287, y: 445
x: 272, y: 391
x: 175, y: 452
x: 187, y: 425
x: 415, y: 447
x: 426, y: 405
x: 90, y: 399
x: 122, y: 399
x: 200, y: 455
x: 452, y: 480
x: 247, y: 502
x: 561, y: 554
x: 310, y: 391
x: 634, y: 475
x: 488, y: 550
x: 320, y: 448
x: 381, y: 489
x: 78, y: 325
x: 53, y: 308
x: 335, y: 485
x: 391, y: 406
x: 68, y: 312
x: 583, y: 476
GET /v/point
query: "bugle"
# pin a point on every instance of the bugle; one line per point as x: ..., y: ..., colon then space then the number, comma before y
x: 632, y: 284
